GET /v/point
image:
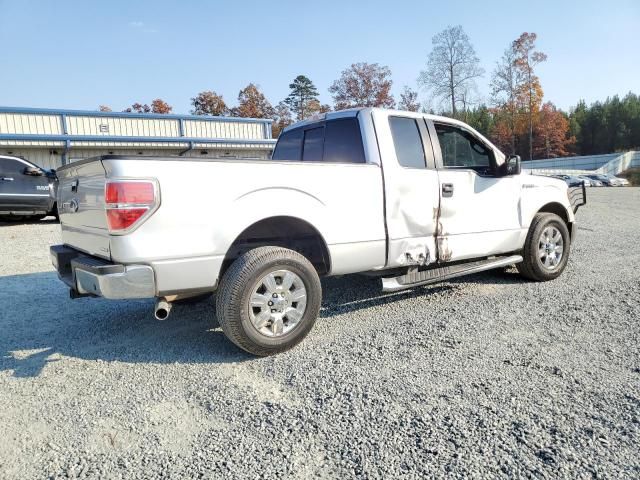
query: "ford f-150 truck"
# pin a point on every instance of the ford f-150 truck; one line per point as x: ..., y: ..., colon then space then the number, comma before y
x: 411, y: 198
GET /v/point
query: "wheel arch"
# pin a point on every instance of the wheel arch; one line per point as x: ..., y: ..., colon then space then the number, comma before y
x: 285, y: 231
x: 560, y: 210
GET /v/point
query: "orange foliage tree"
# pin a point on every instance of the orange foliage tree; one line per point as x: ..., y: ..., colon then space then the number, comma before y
x: 551, y: 133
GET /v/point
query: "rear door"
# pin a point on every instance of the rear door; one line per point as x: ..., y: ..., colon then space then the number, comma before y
x: 411, y: 188
x: 479, y: 210
x: 20, y: 192
x: 81, y: 207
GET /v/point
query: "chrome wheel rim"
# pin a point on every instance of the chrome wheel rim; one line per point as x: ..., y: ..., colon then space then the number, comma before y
x: 277, y: 303
x: 550, y: 247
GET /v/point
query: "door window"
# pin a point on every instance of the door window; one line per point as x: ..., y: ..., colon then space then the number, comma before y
x: 461, y: 149
x: 407, y: 142
x: 9, y: 165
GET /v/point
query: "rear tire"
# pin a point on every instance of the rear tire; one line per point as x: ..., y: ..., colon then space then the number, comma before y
x: 546, y: 249
x: 268, y: 300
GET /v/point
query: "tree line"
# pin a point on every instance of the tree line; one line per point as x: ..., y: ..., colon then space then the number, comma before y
x: 514, y: 116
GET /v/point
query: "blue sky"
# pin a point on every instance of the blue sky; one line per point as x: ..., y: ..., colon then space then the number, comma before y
x: 80, y: 54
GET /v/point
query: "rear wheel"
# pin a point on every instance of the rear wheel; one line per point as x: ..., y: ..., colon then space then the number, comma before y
x: 546, y: 249
x: 268, y: 300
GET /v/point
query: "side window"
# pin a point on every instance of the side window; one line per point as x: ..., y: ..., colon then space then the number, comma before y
x: 461, y: 149
x: 289, y: 146
x: 8, y: 165
x: 312, y: 146
x: 407, y: 142
x: 343, y: 141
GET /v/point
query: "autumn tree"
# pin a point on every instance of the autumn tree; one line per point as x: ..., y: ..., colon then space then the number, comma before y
x: 505, y: 83
x: 452, y: 67
x: 209, y: 103
x: 363, y: 85
x: 526, y: 58
x: 104, y: 108
x: 282, y: 119
x: 552, y: 137
x: 409, y: 100
x: 252, y: 104
x: 138, y: 108
x: 315, y: 107
x: 160, y: 106
x: 303, y: 93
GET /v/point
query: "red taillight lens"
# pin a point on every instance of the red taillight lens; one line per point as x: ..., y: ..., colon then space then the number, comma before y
x: 130, y: 192
x: 127, y: 202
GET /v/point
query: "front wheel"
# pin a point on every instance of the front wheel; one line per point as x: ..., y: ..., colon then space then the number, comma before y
x: 268, y: 300
x: 546, y: 249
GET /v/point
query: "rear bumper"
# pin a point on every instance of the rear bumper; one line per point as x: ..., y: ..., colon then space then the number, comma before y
x: 87, y: 275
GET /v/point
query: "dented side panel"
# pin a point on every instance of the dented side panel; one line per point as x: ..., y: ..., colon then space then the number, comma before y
x: 411, y: 201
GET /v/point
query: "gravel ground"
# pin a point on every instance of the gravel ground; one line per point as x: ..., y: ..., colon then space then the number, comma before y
x: 486, y: 376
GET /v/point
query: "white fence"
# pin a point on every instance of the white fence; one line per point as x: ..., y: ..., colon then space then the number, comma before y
x: 610, y: 164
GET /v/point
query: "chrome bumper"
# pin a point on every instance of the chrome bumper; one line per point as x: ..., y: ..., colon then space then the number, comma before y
x: 87, y: 275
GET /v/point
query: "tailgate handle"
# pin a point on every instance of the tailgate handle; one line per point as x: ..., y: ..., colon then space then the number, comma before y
x: 7, y: 179
x: 447, y: 189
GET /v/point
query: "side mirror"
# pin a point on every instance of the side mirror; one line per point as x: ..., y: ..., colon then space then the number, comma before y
x: 33, y: 171
x: 511, y: 165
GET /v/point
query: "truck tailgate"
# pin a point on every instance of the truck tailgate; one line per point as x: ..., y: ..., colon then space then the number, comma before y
x: 82, y: 208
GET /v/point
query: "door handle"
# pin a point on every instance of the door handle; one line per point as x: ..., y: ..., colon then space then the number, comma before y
x: 7, y: 179
x: 447, y: 189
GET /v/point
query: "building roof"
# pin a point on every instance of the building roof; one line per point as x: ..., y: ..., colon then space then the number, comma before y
x: 33, y: 127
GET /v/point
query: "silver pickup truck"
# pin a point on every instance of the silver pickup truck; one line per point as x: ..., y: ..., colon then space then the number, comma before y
x: 411, y: 198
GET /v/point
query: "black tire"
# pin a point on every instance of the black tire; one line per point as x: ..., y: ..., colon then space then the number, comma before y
x: 236, y: 288
x: 533, y: 267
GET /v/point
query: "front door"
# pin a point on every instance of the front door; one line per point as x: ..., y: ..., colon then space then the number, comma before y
x: 479, y: 210
x: 20, y: 192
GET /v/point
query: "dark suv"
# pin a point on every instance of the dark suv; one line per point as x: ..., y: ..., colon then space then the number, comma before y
x: 26, y: 190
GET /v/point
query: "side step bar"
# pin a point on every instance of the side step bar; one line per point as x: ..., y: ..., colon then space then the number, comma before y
x: 416, y: 278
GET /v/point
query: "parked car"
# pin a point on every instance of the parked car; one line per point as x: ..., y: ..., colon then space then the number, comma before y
x: 608, y: 180
x: 623, y: 181
x: 26, y: 190
x: 590, y: 182
x: 411, y: 198
x: 571, y: 180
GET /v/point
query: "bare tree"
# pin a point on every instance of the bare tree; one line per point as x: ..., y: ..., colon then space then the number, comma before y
x: 452, y: 67
x: 409, y: 100
x: 363, y: 85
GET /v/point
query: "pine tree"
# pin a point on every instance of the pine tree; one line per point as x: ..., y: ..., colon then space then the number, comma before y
x: 303, y: 93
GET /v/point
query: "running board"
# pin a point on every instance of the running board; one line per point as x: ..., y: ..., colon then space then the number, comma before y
x: 416, y: 278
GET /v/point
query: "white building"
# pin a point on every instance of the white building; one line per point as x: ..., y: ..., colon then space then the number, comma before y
x: 51, y: 138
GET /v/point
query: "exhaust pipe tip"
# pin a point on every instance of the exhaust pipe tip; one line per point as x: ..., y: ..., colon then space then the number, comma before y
x: 162, y: 310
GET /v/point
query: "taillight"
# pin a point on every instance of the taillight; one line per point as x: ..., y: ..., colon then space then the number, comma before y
x: 128, y: 202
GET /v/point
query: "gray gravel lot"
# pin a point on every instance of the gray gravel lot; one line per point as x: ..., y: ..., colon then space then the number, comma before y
x: 486, y: 376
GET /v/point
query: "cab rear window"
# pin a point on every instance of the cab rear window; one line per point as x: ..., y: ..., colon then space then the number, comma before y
x: 333, y: 141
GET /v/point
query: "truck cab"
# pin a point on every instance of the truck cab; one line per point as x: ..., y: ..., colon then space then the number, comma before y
x: 26, y: 190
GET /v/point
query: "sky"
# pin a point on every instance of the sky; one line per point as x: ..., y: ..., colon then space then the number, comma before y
x: 82, y: 54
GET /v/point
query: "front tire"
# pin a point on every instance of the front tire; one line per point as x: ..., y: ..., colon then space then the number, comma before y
x: 268, y: 300
x: 546, y: 249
